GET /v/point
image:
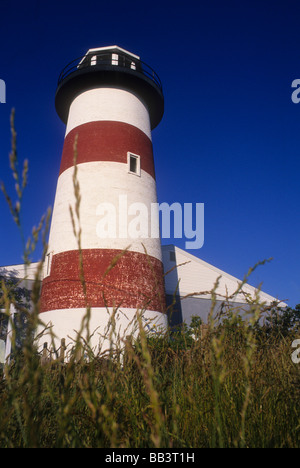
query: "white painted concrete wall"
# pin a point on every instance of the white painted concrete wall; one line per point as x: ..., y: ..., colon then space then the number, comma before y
x: 99, y: 325
x: 109, y: 104
x: 102, y: 182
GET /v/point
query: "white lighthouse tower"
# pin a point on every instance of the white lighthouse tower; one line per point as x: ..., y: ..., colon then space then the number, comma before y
x: 110, y: 101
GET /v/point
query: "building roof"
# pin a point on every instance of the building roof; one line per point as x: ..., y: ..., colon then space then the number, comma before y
x: 193, y: 276
x: 19, y: 271
x: 113, y: 48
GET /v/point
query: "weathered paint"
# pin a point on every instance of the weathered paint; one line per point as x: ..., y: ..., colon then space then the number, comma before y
x: 111, y: 277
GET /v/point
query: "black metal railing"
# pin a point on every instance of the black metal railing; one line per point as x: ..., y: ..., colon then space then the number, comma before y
x: 112, y: 58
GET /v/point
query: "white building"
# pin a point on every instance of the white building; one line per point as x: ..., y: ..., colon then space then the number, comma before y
x: 188, y: 282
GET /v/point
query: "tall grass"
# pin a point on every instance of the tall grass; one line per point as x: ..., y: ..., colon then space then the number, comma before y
x: 157, y: 397
x: 230, y: 384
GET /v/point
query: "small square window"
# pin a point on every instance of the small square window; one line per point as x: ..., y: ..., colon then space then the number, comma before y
x: 134, y: 164
x: 48, y: 264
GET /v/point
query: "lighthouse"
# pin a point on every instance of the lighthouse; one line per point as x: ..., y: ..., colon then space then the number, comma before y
x: 110, y: 102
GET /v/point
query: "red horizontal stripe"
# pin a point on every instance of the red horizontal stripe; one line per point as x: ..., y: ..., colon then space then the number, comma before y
x: 112, y: 278
x: 107, y: 141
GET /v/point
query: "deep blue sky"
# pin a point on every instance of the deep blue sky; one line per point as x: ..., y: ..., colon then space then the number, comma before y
x: 230, y: 136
